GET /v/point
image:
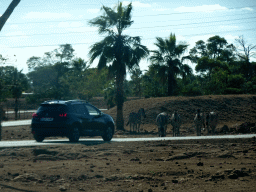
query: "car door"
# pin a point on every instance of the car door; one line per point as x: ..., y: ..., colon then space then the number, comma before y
x: 97, y: 121
x: 83, y: 117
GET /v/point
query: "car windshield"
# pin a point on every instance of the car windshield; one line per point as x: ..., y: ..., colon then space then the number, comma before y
x: 54, y: 108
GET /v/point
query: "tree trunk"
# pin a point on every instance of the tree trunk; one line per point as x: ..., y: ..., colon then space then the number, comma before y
x: 1, y: 114
x: 119, y: 101
x: 16, y: 108
x: 8, y: 12
x: 170, y: 82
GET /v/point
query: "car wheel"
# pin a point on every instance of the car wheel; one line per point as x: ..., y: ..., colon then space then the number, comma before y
x: 108, y: 134
x: 38, y: 138
x: 74, y: 135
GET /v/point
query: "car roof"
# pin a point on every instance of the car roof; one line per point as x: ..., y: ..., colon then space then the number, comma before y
x: 63, y: 102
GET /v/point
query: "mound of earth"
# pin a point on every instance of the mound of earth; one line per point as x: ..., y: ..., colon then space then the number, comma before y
x: 233, y: 110
x: 237, y: 115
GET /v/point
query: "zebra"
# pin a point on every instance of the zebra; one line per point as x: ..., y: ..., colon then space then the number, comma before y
x: 199, y: 121
x: 161, y: 121
x: 176, y: 123
x: 212, y: 121
x: 135, y: 120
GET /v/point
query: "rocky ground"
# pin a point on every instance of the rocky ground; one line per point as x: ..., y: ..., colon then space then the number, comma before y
x: 195, y: 165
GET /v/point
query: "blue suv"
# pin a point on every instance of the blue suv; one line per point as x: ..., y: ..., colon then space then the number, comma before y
x: 72, y: 118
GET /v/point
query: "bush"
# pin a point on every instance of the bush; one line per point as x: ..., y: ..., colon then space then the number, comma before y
x: 236, y: 81
x: 233, y: 91
x: 191, y: 90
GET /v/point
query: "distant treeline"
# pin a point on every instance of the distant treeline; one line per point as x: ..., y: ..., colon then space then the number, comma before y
x: 221, y: 68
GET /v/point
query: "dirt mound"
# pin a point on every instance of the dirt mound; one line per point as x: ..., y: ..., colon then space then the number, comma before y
x: 232, y: 108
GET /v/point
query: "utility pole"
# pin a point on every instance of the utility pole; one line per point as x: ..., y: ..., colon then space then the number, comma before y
x: 8, y: 13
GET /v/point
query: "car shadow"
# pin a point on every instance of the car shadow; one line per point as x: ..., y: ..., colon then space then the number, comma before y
x: 83, y: 142
x: 14, y: 188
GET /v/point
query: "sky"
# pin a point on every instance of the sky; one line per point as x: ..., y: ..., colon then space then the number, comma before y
x: 36, y: 27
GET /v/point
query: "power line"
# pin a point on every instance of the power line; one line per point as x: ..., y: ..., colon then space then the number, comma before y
x: 195, y: 11
x: 136, y: 23
x: 142, y: 39
x: 115, y: 4
x: 133, y: 16
x: 99, y: 4
x: 131, y: 28
x: 194, y: 23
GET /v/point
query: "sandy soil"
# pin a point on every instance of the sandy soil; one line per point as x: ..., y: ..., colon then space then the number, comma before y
x: 195, y: 165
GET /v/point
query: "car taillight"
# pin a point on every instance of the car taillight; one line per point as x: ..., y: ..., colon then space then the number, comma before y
x: 34, y: 115
x: 63, y: 115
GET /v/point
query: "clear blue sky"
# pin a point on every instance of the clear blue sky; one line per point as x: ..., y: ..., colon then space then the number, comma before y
x: 36, y: 27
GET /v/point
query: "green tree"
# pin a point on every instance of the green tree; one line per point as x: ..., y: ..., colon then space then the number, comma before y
x: 215, y: 46
x: 47, y: 72
x: 136, y: 80
x: 214, y: 60
x: 154, y: 85
x: 87, y: 83
x: 15, y: 83
x: 168, y: 57
x: 117, y: 51
x: 245, y: 52
x: 198, y: 51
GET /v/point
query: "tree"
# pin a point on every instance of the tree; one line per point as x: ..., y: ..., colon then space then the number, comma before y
x: 136, y: 80
x: 198, y: 51
x: 3, y: 20
x: 168, y: 56
x: 245, y: 52
x: 15, y: 83
x: 8, y: 13
x: 215, y: 46
x: 47, y: 72
x: 216, y: 53
x: 117, y: 51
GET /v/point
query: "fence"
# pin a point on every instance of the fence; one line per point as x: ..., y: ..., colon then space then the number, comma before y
x: 25, y: 110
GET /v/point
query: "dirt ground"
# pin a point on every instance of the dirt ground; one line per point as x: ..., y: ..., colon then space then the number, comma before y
x: 194, y: 165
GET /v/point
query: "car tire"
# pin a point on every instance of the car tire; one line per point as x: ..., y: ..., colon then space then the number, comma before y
x: 74, y: 134
x: 108, y: 134
x: 38, y: 138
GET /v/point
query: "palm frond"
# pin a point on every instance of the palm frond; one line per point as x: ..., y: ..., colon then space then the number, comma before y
x: 111, y: 16
x: 180, y: 49
x: 189, y: 58
x: 161, y: 45
x: 95, y: 51
x: 157, y: 57
x: 102, y: 62
x: 127, y: 12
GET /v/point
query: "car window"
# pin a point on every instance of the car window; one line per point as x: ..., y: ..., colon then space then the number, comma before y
x: 52, y: 108
x: 92, y: 111
x: 80, y: 109
x: 72, y: 109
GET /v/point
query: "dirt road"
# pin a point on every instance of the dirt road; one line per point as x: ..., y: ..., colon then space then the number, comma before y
x: 195, y: 165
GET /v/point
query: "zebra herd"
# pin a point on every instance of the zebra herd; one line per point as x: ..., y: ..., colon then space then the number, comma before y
x: 206, y: 120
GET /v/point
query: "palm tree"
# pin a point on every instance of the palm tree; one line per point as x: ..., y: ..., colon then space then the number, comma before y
x: 167, y: 58
x: 117, y: 51
x: 185, y: 71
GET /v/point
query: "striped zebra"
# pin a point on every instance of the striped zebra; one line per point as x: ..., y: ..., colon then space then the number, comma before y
x: 199, y: 122
x: 176, y: 123
x: 161, y: 121
x: 135, y: 120
x: 212, y: 119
